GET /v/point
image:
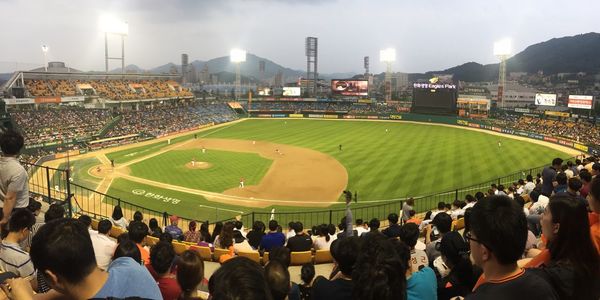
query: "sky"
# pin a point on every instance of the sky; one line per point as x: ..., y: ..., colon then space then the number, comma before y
x: 428, y: 35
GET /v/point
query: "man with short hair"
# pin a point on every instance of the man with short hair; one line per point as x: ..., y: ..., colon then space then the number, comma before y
x: 300, y: 242
x: 162, y: 256
x: 55, y: 211
x: 586, y: 180
x: 12, y: 257
x: 441, y: 207
x: 360, y: 227
x: 62, y: 251
x: 497, y: 240
x: 104, y: 246
x: 393, y: 230
x: 175, y: 232
x: 409, y: 234
x: 561, y: 183
x: 442, y: 222
x: 14, y: 189
x: 278, y: 280
x: 291, y: 232
x: 239, y: 278
x: 529, y: 186
x: 344, y: 252
x: 373, y: 227
x: 273, y: 238
x: 137, y: 233
x: 548, y: 175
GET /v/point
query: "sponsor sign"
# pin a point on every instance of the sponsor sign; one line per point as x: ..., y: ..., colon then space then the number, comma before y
x: 264, y: 116
x: 314, y: 116
x: 557, y: 114
x: 165, y: 199
x: 348, y: 117
x: 296, y: 115
x: 580, y: 147
x: 395, y: 117
x: 497, y: 129
x: 73, y: 99
x: 279, y: 116
x: 462, y: 122
x: 47, y: 100
x: 330, y: 116
x: 522, y: 110
x: 550, y: 139
x: 373, y: 117
x: 434, y: 86
x: 565, y: 143
x: 17, y: 101
x: 291, y: 91
x: 474, y: 125
x: 545, y: 99
x: 580, y: 101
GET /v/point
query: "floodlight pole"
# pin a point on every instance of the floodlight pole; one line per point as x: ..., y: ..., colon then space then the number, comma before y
x: 106, y: 51
x: 238, y: 80
x: 122, y: 58
x: 388, y: 81
x: 502, y: 79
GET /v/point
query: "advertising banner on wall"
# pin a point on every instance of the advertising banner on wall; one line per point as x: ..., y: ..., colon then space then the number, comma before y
x: 580, y: 101
x: 545, y: 99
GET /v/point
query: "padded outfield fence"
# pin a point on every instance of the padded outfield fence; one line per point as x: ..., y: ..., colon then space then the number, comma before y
x: 54, y: 186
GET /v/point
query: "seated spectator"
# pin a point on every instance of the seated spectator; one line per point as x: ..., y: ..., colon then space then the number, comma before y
x: 301, y: 241
x: 573, y: 187
x: 373, y: 227
x: 192, y: 235
x: 278, y: 280
x: 586, y: 180
x: 162, y: 257
x: 323, y: 241
x: 117, y: 218
x: 290, y: 232
x: 12, y: 257
x: 307, y: 274
x: 87, y: 221
x: 190, y: 275
x: 536, y: 210
x: 340, y: 284
x: 393, y: 230
x: 55, y: 211
x: 165, y: 237
x: 216, y: 231
x: 225, y: 239
x: 412, y: 218
x: 239, y: 226
x: 137, y: 233
x: 379, y: 272
x: 594, y: 217
x: 138, y: 216
x: 256, y: 234
x: 442, y: 224
x: 240, y: 243
x: 63, y: 252
x: 561, y: 183
x: 572, y: 263
x: 283, y: 256
x: 463, y: 275
x: 154, y: 229
x: 529, y: 186
x: 360, y: 227
x: 470, y: 201
x: 245, y: 275
x: 205, y: 236
x: 421, y: 284
x: 273, y: 238
x: 35, y: 207
x: 441, y: 207
x: 343, y: 226
x: 104, y: 246
x: 457, y: 209
x: 173, y: 230
x: 409, y: 235
x: 497, y: 240
x: 127, y: 248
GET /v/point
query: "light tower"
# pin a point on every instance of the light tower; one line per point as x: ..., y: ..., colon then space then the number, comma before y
x: 502, y: 50
x: 311, y: 49
x: 45, y: 51
x: 110, y: 25
x: 237, y: 56
x: 388, y: 56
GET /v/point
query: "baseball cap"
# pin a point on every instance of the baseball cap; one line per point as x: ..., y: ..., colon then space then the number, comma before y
x: 173, y: 218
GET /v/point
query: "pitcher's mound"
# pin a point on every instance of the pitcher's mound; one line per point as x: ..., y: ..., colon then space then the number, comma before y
x: 198, y: 165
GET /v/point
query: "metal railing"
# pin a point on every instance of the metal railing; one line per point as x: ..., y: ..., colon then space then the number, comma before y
x: 54, y: 186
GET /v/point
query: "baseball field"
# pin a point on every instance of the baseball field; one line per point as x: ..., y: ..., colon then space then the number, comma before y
x: 296, y: 165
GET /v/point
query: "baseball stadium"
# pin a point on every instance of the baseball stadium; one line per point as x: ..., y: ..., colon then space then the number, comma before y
x: 239, y: 152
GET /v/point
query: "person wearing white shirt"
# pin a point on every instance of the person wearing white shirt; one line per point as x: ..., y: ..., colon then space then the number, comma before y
x: 536, y: 210
x: 360, y: 227
x: 529, y: 186
x: 291, y: 232
x: 324, y: 240
x: 104, y: 246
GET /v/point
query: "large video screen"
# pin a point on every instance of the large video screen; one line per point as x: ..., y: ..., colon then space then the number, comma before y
x: 291, y: 91
x: 350, y: 87
x: 580, y: 101
x: 434, y: 98
x: 545, y: 99
x: 265, y: 91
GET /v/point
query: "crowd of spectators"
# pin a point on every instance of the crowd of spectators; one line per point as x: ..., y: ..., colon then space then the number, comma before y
x: 308, y: 107
x: 51, y: 125
x: 579, y: 130
x: 112, y: 89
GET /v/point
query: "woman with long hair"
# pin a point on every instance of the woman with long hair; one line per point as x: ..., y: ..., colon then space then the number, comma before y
x: 216, y: 231
x: 190, y: 274
x: 192, y: 235
x: 256, y: 234
x: 323, y: 241
x: 155, y: 230
x: 571, y: 261
x: 225, y: 239
x: 204, y: 234
x: 117, y: 217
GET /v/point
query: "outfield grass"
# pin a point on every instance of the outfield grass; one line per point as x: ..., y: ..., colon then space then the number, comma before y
x: 407, y: 160
x: 225, y: 173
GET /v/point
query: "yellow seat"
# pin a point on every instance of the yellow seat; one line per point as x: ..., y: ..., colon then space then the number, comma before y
x: 265, y: 258
x: 95, y: 224
x: 180, y: 247
x: 458, y: 224
x: 150, y: 241
x: 253, y: 255
x: 218, y: 252
x: 300, y: 258
x: 116, y: 231
x: 203, y: 252
x: 323, y: 257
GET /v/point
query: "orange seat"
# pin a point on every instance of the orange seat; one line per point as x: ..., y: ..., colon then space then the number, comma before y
x: 253, y: 255
x: 218, y: 252
x: 323, y: 257
x: 180, y: 247
x: 203, y: 252
x: 300, y: 258
x: 458, y: 224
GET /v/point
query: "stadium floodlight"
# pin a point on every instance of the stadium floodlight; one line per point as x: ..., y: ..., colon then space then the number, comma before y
x: 502, y: 47
x: 110, y: 24
x: 387, y: 55
x: 45, y: 51
x: 237, y: 55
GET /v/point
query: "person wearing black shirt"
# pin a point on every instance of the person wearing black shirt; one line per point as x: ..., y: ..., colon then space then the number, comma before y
x: 497, y: 240
x: 256, y: 234
x: 301, y: 241
x: 393, y: 231
x: 344, y: 252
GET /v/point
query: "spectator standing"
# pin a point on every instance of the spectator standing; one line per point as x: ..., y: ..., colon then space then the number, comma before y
x: 14, y: 189
x: 407, y: 206
x: 104, y: 246
x: 548, y: 175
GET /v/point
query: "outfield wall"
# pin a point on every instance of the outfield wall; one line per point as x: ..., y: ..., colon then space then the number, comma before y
x: 448, y: 120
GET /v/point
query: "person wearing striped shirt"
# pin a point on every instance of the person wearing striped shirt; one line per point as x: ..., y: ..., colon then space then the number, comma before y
x: 12, y: 257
